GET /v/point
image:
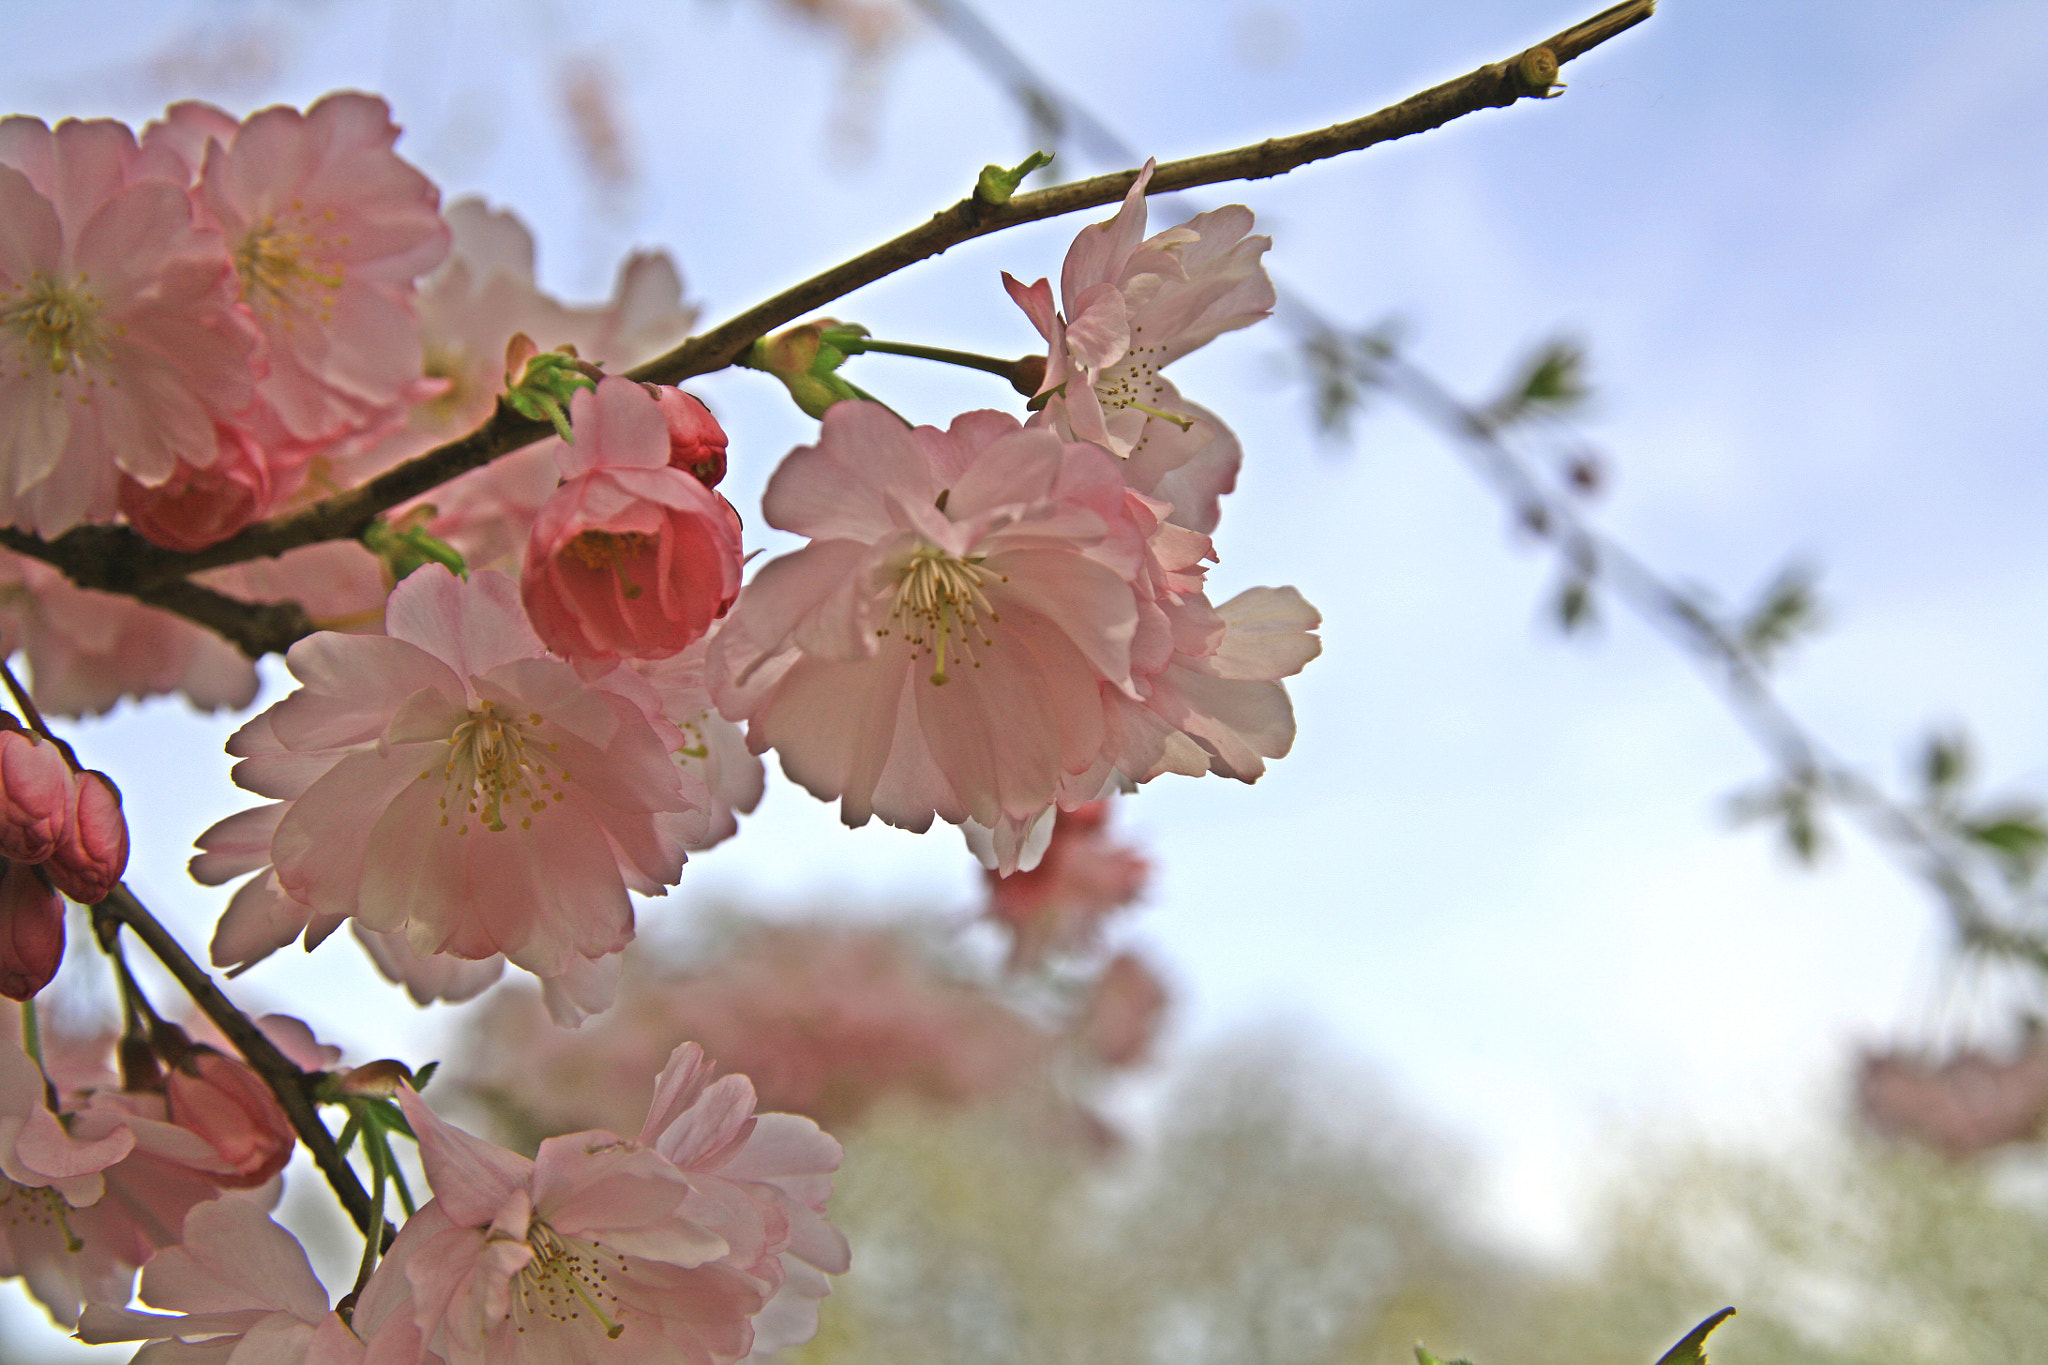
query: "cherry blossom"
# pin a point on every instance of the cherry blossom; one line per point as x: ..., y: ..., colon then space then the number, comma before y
x: 603, y: 1249
x: 328, y: 229
x: 938, y: 647
x: 1134, y: 306
x: 482, y: 296
x: 451, y: 782
x: 825, y: 1020
x: 630, y: 557
x: 244, y: 1283
x: 1058, y: 906
x: 121, y: 342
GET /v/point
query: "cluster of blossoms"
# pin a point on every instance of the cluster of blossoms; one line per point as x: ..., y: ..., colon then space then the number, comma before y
x: 536, y: 690
x: 831, y: 1020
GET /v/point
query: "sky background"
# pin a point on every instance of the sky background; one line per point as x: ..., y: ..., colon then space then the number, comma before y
x: 1807, y: 249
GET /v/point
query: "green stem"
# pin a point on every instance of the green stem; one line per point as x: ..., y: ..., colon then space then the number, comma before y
x: 373, y: 1241
x: 31, y: 1033
x: 966, y: 359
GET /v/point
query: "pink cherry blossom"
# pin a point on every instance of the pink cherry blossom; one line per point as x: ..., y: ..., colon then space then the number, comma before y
x: 714, y: 750
x: 328, y: 229
x: 244, y: 1284
x: 87, y: 650
x: 1964, y: 1105
x: 451, y: 782
x: 629, y: 558
x: 601, y: 1249
x: 1123, y: 1013
x: 1082, y: 877
x: 1134, y: 305
x: 469, y: 309
x: 196, y: 505
x: 121, y: 342
x: 938, y: 647
x: 825, y: 1020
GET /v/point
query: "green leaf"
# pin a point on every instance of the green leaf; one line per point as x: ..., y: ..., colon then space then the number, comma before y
x: 1784, y: 612
x: 546, y: 383
x: 1945, y: 763
x: 1553, y: 381
x: 424, y: 1074
x: 996, y: 185
x: 404, y: 548
x: 2015, y: 834
x: 1692, y: 1347
x: 1423, y: 1357
x: 1575, y: 605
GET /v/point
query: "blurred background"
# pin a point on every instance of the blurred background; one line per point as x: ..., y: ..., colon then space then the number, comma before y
x: 1485, y: 1025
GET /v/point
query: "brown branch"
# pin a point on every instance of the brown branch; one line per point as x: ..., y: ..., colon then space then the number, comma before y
x: 116, y: 559
x: 287, y: 1081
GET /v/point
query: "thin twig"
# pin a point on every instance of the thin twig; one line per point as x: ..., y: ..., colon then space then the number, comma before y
x: 284, y: 1077
x: 116, y: 559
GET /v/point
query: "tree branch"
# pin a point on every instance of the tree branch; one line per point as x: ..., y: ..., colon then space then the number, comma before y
x: 116, y: 559
x: 284, y: 1077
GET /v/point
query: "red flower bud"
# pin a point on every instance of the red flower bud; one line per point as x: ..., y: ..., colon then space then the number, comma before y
x: 696, y: 442
x: 36, y: 796
x: 31, y: 931
x: 227, y: 1104
x: 93, y: 853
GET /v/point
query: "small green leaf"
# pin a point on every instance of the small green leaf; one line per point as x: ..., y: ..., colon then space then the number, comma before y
x: 1785, y: 611
x: 1424, y: 1357
x: 1554, y: 381
x: 1575, y: 605
x: 406, y: 547
x: 1945, y: 763
x: 546, y: 383
x: 2015, y: 834
x: 424, y: 1074
x: 996, y: 185
x: 1692, y: 1347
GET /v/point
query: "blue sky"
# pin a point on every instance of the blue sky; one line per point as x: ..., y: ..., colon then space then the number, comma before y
x: 1808, y: 251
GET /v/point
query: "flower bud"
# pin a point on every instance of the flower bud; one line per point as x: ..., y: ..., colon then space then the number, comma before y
x: 696, y: 442
x: 93, y: 853
x: 226, y: 1103
x: 374, y: 1080
x: 31, y: 931
x: 36, y: 796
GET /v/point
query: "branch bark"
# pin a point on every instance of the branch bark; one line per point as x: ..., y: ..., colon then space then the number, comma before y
x: 116, y: 559
x: 279, y: 1072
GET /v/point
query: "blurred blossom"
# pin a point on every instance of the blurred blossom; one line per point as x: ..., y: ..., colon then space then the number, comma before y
x: 1059, y: 905
x: 1960, y: 1106
x: 826, y: 1020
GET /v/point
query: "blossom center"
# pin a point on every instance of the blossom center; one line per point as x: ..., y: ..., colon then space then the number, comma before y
x: 55, y: 322
x: 568, y: 1278
x: 29, y: 1209
x: 599, y: 551
x: 495, y: 768
x: 940, y: 607
x: 280, y: 268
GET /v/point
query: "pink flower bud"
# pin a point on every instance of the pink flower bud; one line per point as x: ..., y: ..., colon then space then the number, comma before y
x: 31, y: 931
x: 196, y: 507
x: 36, y: 796
x: 227, y: 1104
x: 695, y: 440
x: 93, y: 853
